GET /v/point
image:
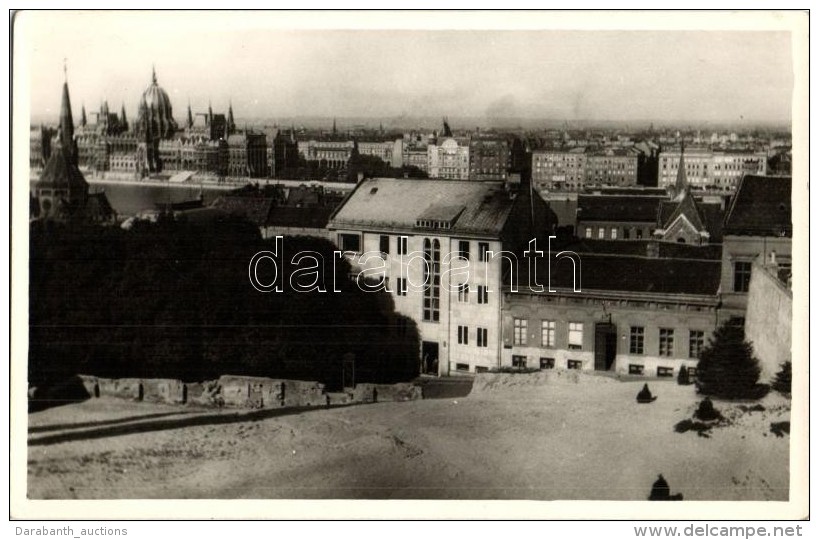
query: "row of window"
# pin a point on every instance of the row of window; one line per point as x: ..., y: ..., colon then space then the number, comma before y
x: 482, y: 336
x: 521, y: 362
x: 547, y: 333
x: 696, y: 342
x: 463, y: 293
x: 662, y: 371
x: 696, y: 338
x: 601, y: 233
x: 353, y: 242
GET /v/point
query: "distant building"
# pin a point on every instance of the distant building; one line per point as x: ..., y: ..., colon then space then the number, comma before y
x: 704, y: 167
x: 61, y: 193
x: 416, y: 156
x: 612, y: 167
x: 390, y: 152
x: 247, y: 155
x: 418, y: 234
x: 559, y: 169
x: 489, y: 158
x: 285, y: 153
x: 449, y: 159
x: 332, y: 154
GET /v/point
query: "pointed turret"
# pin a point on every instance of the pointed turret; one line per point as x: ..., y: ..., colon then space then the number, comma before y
x: 681, y: 185
x: 447, y: 130
x: 67, y: 125
x: 83, y: 119
x: 231, y: 125
x: 210, y: 113
x: 334, y: 127
x: 189, y: 121
x: 124, y: 119
x: 153, y: 73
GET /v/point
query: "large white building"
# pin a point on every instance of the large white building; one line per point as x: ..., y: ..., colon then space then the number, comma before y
x: 710, y: 168
x: 448, y: 159
x: 441, y: 233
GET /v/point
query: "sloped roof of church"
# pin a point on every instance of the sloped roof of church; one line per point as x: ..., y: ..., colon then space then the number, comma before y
x: 633, y: 208
x: 60, y: 172
x: 687, y: 207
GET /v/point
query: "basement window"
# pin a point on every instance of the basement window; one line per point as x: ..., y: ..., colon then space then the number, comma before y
x: 574, y: 364
x: 547, y: 363
x: 461, y: 367
x: 665, y: 371
x: 635, y: 369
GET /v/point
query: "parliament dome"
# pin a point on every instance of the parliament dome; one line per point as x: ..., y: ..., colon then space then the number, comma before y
x: 155, y: 112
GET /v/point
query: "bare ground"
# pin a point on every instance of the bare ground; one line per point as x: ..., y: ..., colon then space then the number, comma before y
x: 546, y: 436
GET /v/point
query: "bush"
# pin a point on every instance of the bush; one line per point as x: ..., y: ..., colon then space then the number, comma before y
x: 782, y: 380
x: 727, y: 366
x: 706, y: 411
x: 682, y: 376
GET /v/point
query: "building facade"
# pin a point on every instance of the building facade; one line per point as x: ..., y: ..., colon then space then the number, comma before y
x: 449, y: 159
x: 612, y: 167
x: 428, y: 242
x: 630, y: 316
x: 489, y: 159
x: 704, y: 167
x: 559, y: 169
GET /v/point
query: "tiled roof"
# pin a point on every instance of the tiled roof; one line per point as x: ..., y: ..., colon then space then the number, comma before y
x: 630, y: 274
x: 59, y: 172
x: 255, y: 209
x: 399, y: 203
x: 308, y: 218
x: 640, y: 208
x: 761, y: 207
x: 640, y: 248
x: 711, y: 215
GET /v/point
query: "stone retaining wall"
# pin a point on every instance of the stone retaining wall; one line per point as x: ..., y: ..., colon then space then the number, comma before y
x: 244, y: 392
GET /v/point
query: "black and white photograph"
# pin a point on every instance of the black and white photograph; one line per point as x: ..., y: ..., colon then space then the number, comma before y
x: 410, y: 256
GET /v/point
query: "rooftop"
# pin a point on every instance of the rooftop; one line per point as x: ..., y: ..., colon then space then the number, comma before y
x: 761, y: 207
x: 631, y: 274
x: 400, y: 203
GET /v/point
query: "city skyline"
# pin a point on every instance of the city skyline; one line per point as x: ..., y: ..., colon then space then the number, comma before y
x: 489, y: 76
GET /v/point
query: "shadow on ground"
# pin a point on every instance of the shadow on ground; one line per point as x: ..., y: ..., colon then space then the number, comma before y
x: 66, y: 392
x: 175, y: 423
x: 444, y: 388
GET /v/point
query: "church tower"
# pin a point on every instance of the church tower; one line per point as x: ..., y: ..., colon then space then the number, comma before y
x: 678, y: 191
x: 231, y: 125
x: 66, y: 138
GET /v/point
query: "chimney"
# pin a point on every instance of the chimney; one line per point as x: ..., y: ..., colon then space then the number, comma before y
x: 652, y: 249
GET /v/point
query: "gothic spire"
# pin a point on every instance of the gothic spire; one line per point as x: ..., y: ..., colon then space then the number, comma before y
x: 124, y: 119
x: 153, y: 73
x: 681, y: 185
x: 67, y: 122
x: 231, y: 125
x: 190, y: 115
x: 334, y: 127
x: 83, y: 120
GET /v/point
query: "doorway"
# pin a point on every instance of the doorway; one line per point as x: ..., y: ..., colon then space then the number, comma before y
x: 429, y: 357
x: 605, y: 346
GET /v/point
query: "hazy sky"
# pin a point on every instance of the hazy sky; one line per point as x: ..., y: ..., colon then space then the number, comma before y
x: 716, y: 76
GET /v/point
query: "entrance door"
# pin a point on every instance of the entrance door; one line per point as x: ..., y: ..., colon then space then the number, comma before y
x: 605, y: 346
x: 429, y: 357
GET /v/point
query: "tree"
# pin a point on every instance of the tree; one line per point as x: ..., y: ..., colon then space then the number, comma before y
x: 782, y: 380
x: 727, y: 366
